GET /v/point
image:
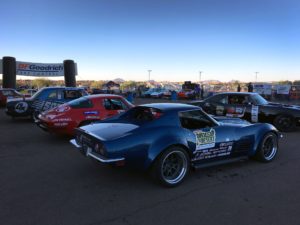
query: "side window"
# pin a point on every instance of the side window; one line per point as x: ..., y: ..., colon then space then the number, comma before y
x: 81, y: 103
x: 72, y: 94
x: 52, y: 94
x: 220, y: 99
x: 224, y: 100
x: 238, y: 99
x: 194, y: 120
x: 114, y: 104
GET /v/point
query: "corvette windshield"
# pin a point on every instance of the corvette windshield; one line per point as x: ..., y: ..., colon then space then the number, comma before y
x: 36, y: 94
x: 259, y: 100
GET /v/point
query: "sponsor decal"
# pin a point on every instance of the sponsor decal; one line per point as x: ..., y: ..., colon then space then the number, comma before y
x: 49, y: 105
x: 205, y: 139
x: 64, y: 108
x: 223, y: 149
x: 41, y: 69
x: 91, y: 113
x: 21, y: 107
x: 236, y: 112
x: 92, y: 117
x: 60, y: 124
x: 254, y: 113
x: 219, y: 110
x: 62, y: 120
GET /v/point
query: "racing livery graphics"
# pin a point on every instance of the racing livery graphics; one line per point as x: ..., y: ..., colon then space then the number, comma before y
x: 82, y: 111
x: 205, y: 139
x: 45, y: 99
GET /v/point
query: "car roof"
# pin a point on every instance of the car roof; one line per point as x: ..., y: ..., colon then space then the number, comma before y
x: 102, y: 96
x: 7, y: 89
x: 236, y: 93
x: 171, y: 106
x: 65, y: 88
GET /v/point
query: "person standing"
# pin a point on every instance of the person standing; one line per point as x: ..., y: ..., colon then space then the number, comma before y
x: 250, y: 87
x: 239, y: 88
x: 197, y: 91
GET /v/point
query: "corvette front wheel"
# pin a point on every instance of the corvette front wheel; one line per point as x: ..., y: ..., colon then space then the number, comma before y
x: 172, y: 166
x: 268, y: 148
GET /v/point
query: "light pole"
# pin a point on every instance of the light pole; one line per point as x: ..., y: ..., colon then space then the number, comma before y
x: 200, y: 72
x: 256, y: 76
x: 149, y: 71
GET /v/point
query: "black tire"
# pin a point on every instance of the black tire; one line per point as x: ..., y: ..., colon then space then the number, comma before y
x: 285, y: 123
x: 34, y: 115
x: 171, y: 167
x: 267, y: 148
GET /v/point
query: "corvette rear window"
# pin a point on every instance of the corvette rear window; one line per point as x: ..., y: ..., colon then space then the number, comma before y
x: 81, y: 103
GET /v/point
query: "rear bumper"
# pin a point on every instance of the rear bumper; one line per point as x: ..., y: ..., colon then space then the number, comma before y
x: 50, y: 127
x: 88, y: 152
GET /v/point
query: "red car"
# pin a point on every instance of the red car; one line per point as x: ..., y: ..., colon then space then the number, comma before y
x: 187, y: 94
x: 8, y: 93
x: 82, y: 111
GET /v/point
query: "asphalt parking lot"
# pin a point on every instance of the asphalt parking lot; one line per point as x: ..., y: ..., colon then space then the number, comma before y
x: 43, y: 180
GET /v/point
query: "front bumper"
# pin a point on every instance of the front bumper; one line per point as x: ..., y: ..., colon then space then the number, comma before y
x: 89, y: 153
x: 41, y: 125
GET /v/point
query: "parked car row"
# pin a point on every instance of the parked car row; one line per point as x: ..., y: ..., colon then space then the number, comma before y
x: 165, y: 93
x: 253, y: 108
x: 167, y: 139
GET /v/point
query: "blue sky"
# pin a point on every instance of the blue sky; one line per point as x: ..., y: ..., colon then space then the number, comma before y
x: 226, y: 39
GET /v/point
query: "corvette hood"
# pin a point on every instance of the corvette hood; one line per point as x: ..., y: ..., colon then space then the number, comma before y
x: 231, y: 121
x: 109, y: 131
x: 273, y: 104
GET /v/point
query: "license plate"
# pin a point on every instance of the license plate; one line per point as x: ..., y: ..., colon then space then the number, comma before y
x: 88, y: 151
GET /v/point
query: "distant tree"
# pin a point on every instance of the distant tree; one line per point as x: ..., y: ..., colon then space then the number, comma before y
x: 128, y: 85
x: 97, y: 84
x: 296, y: 82
x: 41, y: 82
x: 284, y: 82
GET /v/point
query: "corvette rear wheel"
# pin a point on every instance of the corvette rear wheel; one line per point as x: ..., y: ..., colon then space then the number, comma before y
x: 284, y: 123
x: 268, y: 148
x: 172, y: 166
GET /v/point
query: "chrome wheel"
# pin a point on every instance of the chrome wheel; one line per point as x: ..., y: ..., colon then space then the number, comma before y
x: 269, y: 147
x: 174, y: 167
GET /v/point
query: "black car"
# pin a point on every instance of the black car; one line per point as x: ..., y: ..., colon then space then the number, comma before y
x: 252, y: 107
x: 45, y: 99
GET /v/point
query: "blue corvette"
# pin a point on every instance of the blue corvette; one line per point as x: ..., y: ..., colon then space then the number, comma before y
x: 170, y: 138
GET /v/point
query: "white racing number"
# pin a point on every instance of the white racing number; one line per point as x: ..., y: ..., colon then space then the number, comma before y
x: 254, y: 113
x: 21, y: 107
